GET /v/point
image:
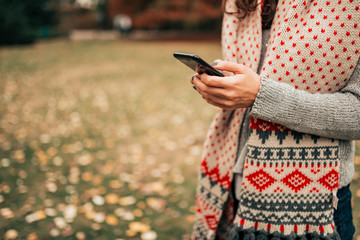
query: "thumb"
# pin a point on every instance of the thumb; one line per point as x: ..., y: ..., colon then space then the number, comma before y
x: 236, y: 68
x: 216, y: 61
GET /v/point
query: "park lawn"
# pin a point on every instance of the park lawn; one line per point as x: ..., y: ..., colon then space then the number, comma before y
x: 102, y: 139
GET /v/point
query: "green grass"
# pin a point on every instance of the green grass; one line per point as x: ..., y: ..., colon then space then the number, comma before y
x: 85, y: 119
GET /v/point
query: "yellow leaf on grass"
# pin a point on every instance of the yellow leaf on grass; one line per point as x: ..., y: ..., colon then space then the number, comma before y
x: 32, y: 236
x: 130, y: 233
x: 36, y: 216
x: 87, y: 176
x: 151, y: 235
x: 42, y: 157
x: 111, y: 220
x: 138, y: 213
x: 154, y: 187
x: 7, y: 213
x: 157, y: 204
x: 126, y: 201
x: 139, y: 227
x: 97, y: 180
x: 111, y: 198
x: 190, y: 218
x: 115, y: 184
x: 357, y: 160
x: 357, y: 193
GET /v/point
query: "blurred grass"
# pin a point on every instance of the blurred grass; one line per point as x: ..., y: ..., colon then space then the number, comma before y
x: 82, y: 120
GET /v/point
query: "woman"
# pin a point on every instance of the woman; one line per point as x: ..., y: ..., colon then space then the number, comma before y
x: 278, y: 159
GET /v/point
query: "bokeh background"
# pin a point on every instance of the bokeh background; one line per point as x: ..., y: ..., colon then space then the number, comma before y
x: 100, y: 131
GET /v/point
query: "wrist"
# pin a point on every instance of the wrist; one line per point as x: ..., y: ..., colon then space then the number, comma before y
x: 256, y: 88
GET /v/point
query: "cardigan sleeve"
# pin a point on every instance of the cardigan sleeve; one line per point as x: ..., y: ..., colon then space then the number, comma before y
x: 334, y: 115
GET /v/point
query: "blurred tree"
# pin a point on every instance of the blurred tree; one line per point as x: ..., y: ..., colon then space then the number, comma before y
x: 169, y: 14
x: 101, y: 10
x: 22, y: 21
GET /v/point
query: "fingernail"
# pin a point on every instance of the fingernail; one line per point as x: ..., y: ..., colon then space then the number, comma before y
x: 214, y: 63
x: 194, y: 87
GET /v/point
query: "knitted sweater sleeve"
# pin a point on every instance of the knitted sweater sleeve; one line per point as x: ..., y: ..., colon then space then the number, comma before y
x: 334, y: 115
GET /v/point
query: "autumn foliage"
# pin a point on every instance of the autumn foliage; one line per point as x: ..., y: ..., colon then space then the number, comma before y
x: 169, y: 14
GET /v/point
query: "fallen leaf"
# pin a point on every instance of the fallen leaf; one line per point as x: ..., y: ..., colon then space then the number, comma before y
x: 80, y: 236
x: 111, y: 220
x: 111, y: 198
x: 138, y: 213
x: 115, y: 184
x: 157, y: 204
x: 70, y: 212
x: 130, y: 233
x: 11, y: 234
x: 7, y: 213
x: 60, y: 222
x: 190, y: 218
x: 99, y: 217
x: 126, y: 201
x: 87, y: 176
x: 98, y: 200
x: 151, y: 235
x: 358, y: 193
x: 357, y: 160
x: 36, y: 216
x: 32, y: 236
x: 139, y: 227
x: 154, y: 187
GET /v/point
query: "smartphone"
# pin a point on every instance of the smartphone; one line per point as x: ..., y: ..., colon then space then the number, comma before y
x: 197, y: 64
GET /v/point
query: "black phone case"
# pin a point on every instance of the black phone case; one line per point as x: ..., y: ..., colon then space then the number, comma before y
x: 197, y: 64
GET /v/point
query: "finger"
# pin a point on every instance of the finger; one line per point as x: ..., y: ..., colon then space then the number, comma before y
x: 227, y: 73
x: 218, y: 99
x: 192, y: 79
x: 231, y: 67
x: 207, y: 98
x: 199, y: 87
x: 213, y: 100
x: 215, y: 91
x: 215, y: 62
x: 213, y: 81
x: 205, y: 89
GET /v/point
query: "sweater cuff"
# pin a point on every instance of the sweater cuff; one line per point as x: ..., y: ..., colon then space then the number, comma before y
x: 270, y: 102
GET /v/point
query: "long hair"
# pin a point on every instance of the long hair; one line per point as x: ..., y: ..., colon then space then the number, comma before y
x: 246, y: 6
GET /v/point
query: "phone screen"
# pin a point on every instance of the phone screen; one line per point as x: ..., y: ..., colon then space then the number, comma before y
x: 197, y: 64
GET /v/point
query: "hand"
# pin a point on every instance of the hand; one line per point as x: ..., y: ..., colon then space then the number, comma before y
x: 232, y: 91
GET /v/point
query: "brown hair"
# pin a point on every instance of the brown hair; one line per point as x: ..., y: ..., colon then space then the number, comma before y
x: 246, y: 6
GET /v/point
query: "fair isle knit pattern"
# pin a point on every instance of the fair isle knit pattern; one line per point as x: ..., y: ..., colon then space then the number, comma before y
x: 289, y: 177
